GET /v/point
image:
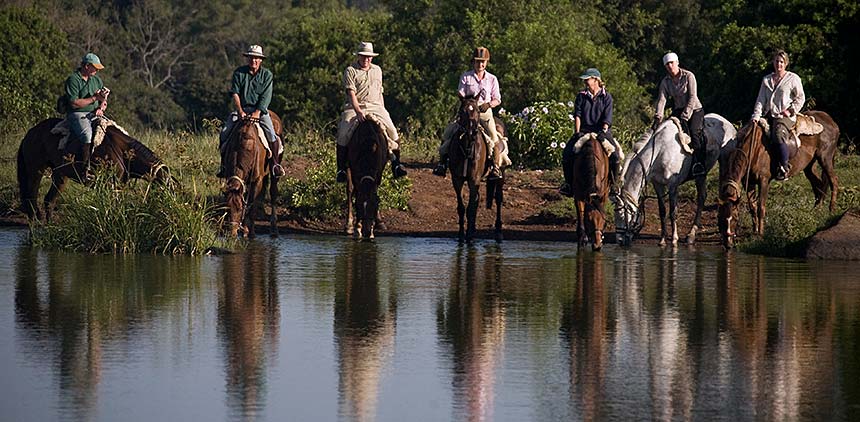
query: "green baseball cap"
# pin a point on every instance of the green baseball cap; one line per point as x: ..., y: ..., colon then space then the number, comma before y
x: 92, y: 59
x: 590, y: 73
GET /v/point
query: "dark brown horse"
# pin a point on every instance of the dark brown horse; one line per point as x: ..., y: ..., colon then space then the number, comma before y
x: 751, y: 168
x: 247, y: 169
x: 590, y: 192
x: 38, y: 152
x: 367, y: 152
x: 469, y: 163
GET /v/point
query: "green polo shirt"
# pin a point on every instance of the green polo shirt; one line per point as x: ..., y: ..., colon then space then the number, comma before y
x: 253, y: 90
x: 77, y: 88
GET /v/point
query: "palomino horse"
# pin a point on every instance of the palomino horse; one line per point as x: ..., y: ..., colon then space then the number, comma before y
x: 469, y: 163
x: 38, y: 152
x: 659, y: 158
x: 248, y: 168
x: 590, y: 192
x: 751, y: 166
x: 368, y: 153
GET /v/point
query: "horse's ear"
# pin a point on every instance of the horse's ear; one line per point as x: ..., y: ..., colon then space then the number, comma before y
x: 460, y: 97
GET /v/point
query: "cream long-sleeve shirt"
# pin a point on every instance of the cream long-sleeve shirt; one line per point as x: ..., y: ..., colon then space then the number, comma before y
x: 773, y: 100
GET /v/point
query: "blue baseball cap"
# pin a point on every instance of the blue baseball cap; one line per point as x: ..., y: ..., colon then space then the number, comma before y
x: 92, y: 59
x: 590, y: 73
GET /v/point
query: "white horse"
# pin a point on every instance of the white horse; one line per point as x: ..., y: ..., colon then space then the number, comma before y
x: 658, y: 157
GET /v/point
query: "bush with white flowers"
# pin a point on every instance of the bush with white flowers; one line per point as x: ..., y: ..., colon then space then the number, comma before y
x: 537, y: 134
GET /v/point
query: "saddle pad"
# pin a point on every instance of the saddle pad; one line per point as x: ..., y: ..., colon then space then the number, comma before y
x: 683, y: 138
x: 806, y: 125
x: 99, y: 130
x: 608, y: 146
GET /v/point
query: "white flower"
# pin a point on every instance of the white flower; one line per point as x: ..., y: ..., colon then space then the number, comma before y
x: 553, y: 145
x: 525, y: 111
x: 562, y: 145
x: 502, y: 111
x: 570, y: 104
x: 570, y: 116
x: 545, y: 110
x: 534, y: 125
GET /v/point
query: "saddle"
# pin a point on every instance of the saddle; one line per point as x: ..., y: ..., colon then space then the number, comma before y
x: 608, y: 145
x: 803, y: 126
x: 261, y: 134
x: 392, y: 144
x: 683, y: 138
x: 100, y: 125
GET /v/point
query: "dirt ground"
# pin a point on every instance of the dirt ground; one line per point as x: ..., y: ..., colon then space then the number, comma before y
x: 433, y: 213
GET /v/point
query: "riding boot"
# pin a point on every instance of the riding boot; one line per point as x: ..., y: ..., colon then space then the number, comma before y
x: 340, y: 153
x: 566, y: 188
x: 442, y: 167
x: 614, y: 175
x: 496, y: 169
x: 277, y: 170
x: 84, y: 169
x: 698, y: 162
x: 397, y: 168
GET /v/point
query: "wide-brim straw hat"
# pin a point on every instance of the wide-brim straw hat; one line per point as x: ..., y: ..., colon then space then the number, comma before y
x: 365, y: 49
x: 255, y: 51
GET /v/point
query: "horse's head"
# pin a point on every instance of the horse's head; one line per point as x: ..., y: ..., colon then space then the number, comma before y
x: 727, y: 221
x: 467, y: 117
x: 628, y: 219
x: 234, y: 190
x: 595, y: 221
x: 367, y: 205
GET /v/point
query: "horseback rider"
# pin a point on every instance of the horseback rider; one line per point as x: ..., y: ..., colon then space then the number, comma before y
x: 592, y: 114
x: 251, y: 92
x: 87, y: 98
x: 486, y: 86
x: 780, y: 97
x: 362, y: 81
x: 680, y: 84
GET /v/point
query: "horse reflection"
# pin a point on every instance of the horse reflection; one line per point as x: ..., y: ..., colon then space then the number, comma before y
x: 364, y: 328
x: 584, y: 327
x: 472, y: 324
x: 248, y: 324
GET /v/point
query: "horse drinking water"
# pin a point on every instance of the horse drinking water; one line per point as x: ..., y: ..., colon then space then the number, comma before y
x: 367, y: 153
x: 591, y: 190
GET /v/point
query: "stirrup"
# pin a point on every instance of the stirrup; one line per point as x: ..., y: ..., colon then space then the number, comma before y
x: 698, y: 169
x: 398, y: 171
x: 278, y: 170
x: 495, y: 173
x: 440, y: 169
x: 565, y: 190
x: 341, y: 176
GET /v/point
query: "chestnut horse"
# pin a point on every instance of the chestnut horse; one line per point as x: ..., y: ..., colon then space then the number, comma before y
x: 751, y: 167
x: 590, y: 192
x: 248, y: 170
x: 469, y: 163
x: 38, y: 152
x: 367, y: 152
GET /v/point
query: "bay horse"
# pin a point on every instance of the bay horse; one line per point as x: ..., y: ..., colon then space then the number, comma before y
x: 751, y: 167
x: 39, y: 152
x: 367, y: 153
x: 469, y: 163
x: 659, y: 157
x: 590, y: 192
x: 248, y: 171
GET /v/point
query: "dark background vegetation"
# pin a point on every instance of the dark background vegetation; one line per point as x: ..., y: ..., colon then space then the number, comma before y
x: 168, y: 63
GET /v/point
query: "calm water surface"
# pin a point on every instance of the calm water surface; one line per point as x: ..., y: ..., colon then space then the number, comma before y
x: 324, y: 328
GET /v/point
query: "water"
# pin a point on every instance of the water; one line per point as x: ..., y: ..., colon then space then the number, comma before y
x: 324, y: 328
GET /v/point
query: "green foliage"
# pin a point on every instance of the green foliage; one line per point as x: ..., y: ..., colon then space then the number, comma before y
x: 33, y: 66
x: 538, y: 134
x: 135, y: 218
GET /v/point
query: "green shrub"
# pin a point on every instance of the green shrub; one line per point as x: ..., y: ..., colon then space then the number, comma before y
x: 538, y: 134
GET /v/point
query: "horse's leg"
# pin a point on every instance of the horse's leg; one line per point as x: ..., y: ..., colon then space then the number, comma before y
x: 828, y: 173
x: 350, y: 216
x: 273, y: 196
x: 499, y: 199
x: 461, y: 209
x: 581, y: 235
x: 673, y: 213
x: 255, y: 189
x: 701, y: 197
x: 472, y: 210
x: 58, y: 181
x: 30, y: 195
x: 661, y: 208
x: 762, y: 208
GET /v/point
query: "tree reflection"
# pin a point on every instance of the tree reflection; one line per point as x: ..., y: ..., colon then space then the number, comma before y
x: 72, y: 307
x: 248, y: 324
x: 472, y: 323
x: 364, y: 328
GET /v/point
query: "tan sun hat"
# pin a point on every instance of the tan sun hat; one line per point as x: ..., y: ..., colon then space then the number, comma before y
x: 255, y: 51
x: 365, y: 49
x: 481, y: 53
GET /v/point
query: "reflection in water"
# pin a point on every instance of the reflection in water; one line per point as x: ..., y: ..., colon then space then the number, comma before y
x: 71, y: 307
x: 364, y: 329
x: 248, y: 325
x: 472, y: 323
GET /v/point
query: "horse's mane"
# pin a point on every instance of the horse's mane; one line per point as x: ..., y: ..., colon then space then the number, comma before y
x: 140, y: 150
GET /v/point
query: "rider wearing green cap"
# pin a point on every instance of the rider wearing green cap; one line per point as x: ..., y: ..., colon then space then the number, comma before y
x: 87, y: 98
